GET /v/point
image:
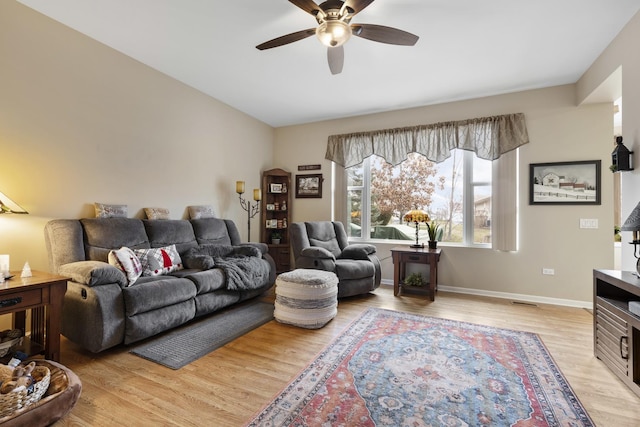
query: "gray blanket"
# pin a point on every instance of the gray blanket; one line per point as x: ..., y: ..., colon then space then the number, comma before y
x: 243, y: 272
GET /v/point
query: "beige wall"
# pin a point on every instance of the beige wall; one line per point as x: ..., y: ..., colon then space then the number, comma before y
x: 80, y: 122
x: 621, y: 56
x: 550, y: 236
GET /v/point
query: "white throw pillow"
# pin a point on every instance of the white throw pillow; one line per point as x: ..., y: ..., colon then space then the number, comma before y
x: 104, y: 210
x: 127, y: 261
x: 203, y: 211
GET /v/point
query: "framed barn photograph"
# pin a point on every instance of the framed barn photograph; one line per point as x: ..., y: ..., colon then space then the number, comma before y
x: 309, y: 186
x: 565, y: 183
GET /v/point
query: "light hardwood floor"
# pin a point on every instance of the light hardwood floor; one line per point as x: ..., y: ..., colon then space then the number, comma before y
x: 228, y: 386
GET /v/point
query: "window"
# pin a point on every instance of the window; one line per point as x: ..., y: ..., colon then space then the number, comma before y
x: 455, y: 193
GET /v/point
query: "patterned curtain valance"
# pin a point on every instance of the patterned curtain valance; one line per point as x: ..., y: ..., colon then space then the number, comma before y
x: 488, y: 137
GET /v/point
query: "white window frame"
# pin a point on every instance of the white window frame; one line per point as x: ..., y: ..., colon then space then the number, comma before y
x: 468, y: 191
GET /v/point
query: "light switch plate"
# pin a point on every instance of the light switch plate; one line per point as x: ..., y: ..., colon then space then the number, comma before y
x: 588, y: 223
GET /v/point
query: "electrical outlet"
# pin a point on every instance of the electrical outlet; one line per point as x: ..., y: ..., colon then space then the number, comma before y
x: 548, y: 271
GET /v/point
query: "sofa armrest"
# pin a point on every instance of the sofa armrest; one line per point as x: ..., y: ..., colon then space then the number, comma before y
x: 247, y: 250
x: 262, y: 247
x: 326, y: 264
x: 93, y: 273
x: 358, y: 251
x: 316, y: 258
x: 317, y: 252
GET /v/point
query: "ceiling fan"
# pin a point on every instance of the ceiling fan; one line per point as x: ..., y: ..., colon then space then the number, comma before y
x: 335, y: 28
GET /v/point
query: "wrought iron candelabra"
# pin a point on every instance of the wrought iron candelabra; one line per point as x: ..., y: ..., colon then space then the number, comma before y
x: 252, y: 209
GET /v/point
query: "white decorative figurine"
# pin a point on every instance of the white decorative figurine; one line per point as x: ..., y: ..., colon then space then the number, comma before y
x: 26, y: 270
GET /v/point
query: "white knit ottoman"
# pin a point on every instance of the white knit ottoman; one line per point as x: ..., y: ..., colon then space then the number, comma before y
x: 306, y: 298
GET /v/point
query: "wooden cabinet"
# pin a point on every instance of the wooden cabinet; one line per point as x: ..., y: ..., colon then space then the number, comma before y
x: 276, y: 216
x: 281, y: 256
x: 616, y: 330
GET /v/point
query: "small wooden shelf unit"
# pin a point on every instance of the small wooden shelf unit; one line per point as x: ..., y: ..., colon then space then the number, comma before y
x: 276, y: 216
x: 616, y: 330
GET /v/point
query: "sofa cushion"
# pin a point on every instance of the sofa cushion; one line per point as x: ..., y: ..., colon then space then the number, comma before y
x: 157, y: 261
x: 104, y: 234
x: 93, y: 273
x: 211, y: 231
x: 322, y: 234
x: 177, y: 232
x: 126, y: 261
x: 208, y: 281
x: 330, y: 245
x: 156, y: 294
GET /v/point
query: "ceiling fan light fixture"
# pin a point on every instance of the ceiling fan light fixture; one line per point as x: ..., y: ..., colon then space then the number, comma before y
x: 333, y: 32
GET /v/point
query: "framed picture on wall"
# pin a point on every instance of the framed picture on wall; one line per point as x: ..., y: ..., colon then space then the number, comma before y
x: 565, y: 183
x: 309, y: 186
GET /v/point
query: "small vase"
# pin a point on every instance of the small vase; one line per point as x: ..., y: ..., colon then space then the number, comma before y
x: 275, y: 241
x: 433, y: 244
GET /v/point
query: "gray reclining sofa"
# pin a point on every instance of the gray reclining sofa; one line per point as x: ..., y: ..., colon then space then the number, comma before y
x: 101, y: 310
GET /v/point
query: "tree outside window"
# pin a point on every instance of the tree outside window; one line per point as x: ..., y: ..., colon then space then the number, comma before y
x: 379, y: 194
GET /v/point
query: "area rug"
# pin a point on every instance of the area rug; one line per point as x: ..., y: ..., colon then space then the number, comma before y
x: 398, y: 369
x: 185, y: 344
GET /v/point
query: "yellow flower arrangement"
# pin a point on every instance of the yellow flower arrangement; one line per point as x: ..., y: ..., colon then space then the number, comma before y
x: 416, y: 215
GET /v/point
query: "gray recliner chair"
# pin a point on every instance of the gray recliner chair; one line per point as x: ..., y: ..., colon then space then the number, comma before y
x: 323, y: 245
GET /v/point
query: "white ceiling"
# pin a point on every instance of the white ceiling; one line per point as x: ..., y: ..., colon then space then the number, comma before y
x: 467, y: 49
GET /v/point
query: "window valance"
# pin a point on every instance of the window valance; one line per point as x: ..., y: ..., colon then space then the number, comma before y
x: 488, y: 137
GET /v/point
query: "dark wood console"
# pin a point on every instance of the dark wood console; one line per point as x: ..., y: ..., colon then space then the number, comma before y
x: 616, y: 330
x: 402, y: 255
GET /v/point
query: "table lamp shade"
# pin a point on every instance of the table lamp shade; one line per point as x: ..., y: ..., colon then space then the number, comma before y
x: 9, y: 206
x: 416, y: 215
x: 633, y: 222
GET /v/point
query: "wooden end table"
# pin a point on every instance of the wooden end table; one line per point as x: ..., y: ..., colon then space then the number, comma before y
x: 42, y: 290
x: 402, y: 255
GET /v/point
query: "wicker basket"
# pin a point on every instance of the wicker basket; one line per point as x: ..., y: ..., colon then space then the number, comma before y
x: 11, y: 402
x: 20, y: 397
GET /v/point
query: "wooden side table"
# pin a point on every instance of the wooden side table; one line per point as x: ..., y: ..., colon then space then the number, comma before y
x: 402, y: 255
x: 42, y: 290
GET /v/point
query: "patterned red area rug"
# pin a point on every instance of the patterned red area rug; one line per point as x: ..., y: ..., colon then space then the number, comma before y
x: 398, y: 369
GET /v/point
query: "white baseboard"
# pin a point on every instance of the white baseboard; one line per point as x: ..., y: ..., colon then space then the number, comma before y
x: 506, y: 295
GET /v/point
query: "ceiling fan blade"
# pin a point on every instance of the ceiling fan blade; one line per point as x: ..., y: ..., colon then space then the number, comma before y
x: 308, y: 6
x: 382, y: 34
x: 286, y: 39
x: 335, y: 56
x: 357, y: 5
